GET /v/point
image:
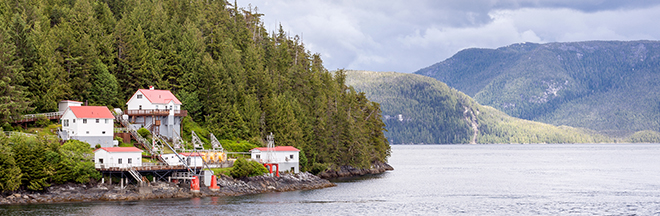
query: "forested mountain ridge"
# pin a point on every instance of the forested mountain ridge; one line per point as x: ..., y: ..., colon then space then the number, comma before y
x: 608, y: 86
x: 234, y: 77
x: 419, y: 109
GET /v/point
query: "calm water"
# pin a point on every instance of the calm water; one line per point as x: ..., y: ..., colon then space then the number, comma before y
x: 584, y: 179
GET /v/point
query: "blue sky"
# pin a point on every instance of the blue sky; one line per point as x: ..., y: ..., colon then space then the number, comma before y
x: 404, y: 36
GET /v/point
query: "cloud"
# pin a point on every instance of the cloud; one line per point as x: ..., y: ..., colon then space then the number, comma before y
x: 405, y: 36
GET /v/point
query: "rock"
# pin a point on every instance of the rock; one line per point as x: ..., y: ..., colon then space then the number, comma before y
x: 348, y: 171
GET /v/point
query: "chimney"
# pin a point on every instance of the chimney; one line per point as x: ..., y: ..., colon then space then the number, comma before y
x: 151, y: 87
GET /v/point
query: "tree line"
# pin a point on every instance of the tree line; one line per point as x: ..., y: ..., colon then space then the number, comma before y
x: 34, y: 163
x: 234, y: 77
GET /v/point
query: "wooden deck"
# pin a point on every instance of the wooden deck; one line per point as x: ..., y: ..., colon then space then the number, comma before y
x: 34, y: 117
x: 146, y: 168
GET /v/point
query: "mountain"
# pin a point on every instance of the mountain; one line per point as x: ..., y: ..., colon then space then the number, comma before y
x: 419, y: 109
x: 609, y: 86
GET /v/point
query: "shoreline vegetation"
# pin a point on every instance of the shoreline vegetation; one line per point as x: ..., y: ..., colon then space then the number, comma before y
x: 235, y: 78
x: 96, y: 191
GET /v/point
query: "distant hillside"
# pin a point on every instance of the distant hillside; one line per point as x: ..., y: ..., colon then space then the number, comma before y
x: 419, y: 109
x: 608, y: 86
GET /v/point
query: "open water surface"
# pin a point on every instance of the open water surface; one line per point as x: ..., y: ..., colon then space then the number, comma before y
x: 580, y: 179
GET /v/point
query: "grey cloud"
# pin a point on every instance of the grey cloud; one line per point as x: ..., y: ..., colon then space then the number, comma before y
x: 404, y: 36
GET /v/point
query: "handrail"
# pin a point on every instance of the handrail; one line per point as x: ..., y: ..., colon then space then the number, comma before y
x: 175, y: 153
x: 49, y: 115
x: 156, y: 112
x: 137, y: 136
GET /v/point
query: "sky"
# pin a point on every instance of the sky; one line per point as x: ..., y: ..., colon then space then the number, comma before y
x: 408, y: 35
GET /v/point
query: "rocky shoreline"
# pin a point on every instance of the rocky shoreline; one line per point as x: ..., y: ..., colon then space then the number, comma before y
x: 348, y: 171
x: 157, y: 190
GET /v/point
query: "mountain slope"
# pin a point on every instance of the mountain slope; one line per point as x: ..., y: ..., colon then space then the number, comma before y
x: 608, y: 86
x: 419, y: 109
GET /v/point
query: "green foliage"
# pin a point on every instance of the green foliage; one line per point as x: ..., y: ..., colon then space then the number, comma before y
x: 646, y: 136
x: 188, y: 126
x: 34, y: 162
x: 243, y: 168
x: 224, y: 171
x: 434, y: 113
x: 303, y: 161
x: 144, y: 132
x: 237, y: 146
x: 30, y: 156
x: 10, y: 174
x: 318, y: 168
x: 77, y: 159
x: 42, y: 121
x: 607, y: 86
x: 13, y: 100
x: 235, y: 79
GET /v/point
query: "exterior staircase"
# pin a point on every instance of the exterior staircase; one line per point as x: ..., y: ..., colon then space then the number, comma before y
x: 136, y: 175
x: 153, y: 149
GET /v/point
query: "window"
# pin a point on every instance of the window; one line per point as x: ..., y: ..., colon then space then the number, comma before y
x: 139, y: 96
x: 140, y: 107
x: 258, y: 156
x: 74, y: 120
x: 293, y: 170
x: 156, y: 106
x: 119, y: 162
x: 65, y: 122
x: 102, y: 132
x: 87, y: 132
x: 170, y: 107
x: 101, y: 160
x: 291, y: 156
x: 130, y: 160
x: 84, y: 121
x: 97, y: 121
x: 106, y: 121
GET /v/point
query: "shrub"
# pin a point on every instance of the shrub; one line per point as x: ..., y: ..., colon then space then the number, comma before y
x: 243, y: 168
x: 144, y: 132
x: 237, y: 146
x: 318, y: 168
x: 42, y: 121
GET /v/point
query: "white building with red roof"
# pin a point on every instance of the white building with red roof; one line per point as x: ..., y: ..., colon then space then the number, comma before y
x: 91, y: 124
x: 157, y: 110
x: 117, y: 157
x: 287, y: 157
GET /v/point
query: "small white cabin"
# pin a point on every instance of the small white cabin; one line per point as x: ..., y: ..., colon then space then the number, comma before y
x: 287, y: 157
x: 193, y: 159
x: 91, y: 124
x: 117, y: 157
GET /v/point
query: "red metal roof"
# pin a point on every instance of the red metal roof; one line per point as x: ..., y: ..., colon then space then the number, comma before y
x: 278, y: 148
x: 191, y: 154
x: 120, y: 149
x: 159, y: 96
x: 91, y: 112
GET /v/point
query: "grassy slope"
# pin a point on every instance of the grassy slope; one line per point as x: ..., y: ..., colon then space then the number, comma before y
x: 434, y: 113
x: 611, y: 87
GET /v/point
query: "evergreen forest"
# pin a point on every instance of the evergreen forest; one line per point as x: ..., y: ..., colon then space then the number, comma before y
x: 612, y: 87
x: 422, y: 110
x: 235, y: 78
